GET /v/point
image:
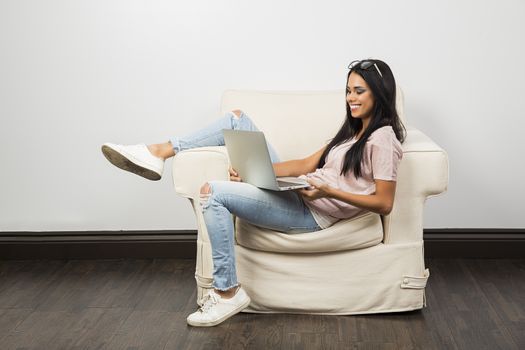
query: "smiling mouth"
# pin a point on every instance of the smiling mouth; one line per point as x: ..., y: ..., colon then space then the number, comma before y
x: 353, y: 107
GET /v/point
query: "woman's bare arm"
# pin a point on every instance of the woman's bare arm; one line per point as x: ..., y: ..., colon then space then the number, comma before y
x: 298, y: 167
x: 381, y: 201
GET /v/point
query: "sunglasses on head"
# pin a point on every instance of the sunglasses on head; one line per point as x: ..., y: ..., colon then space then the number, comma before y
x: 364, y: 64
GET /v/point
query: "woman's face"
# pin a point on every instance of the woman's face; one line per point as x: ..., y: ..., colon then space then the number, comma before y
x: 359, y: 97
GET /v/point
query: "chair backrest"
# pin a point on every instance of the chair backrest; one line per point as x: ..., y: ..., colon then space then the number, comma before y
x: 296, y: 123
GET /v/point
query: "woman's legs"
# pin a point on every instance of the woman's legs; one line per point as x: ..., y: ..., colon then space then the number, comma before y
x: 282, y: 211
x: 210, y: 135
x: 148, y: 160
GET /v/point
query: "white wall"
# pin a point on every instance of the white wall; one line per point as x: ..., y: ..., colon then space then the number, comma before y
x: 76, y: 74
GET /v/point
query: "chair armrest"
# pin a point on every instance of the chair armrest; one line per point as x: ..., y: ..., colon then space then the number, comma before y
x: 424, y: 165
x: 194, y: 167
x: 423, y: 172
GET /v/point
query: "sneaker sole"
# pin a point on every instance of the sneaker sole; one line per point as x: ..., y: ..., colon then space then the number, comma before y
x: 121, y: 161
x: 220, y: 320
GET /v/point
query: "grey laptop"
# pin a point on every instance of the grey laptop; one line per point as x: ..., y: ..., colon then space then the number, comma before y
x: 249, y: 156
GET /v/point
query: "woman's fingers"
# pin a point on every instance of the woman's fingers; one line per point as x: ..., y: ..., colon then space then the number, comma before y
x: 234, y: 176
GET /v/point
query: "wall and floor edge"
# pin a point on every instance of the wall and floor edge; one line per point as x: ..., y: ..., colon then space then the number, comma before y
x: 181, y: 244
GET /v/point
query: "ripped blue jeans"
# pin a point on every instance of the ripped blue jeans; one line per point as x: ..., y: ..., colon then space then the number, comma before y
x: 280, y: 211
x: 212, y: 134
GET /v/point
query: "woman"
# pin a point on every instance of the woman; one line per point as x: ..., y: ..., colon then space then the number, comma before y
x: 356, y: 172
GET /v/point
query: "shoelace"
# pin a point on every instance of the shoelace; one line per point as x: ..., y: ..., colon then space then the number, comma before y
x: 209, y: 301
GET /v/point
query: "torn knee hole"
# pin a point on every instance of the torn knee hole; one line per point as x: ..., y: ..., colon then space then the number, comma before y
x: 205, y: 196
x: 237, y: 113
x: 206, y: 188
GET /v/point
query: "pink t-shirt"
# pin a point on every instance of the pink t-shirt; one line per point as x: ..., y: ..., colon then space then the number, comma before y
x: 381, y: 158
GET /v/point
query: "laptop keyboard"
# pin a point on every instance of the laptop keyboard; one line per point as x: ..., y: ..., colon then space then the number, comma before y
x: 286, y: 184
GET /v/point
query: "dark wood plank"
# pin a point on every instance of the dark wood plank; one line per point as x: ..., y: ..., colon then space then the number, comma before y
x: 146, y: 330
x: 10, y: 319
x: 65, y: 329
x: 256, y: 331
x: 22, y: 284
x: 97, y: 328
x: 465, y: 308
x: 502, y: 287
x: 143, y: 304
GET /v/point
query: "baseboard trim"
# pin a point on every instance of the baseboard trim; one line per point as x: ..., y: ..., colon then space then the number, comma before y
x: 475, y: 243
x: 179, y: 244
x: 439, y: 243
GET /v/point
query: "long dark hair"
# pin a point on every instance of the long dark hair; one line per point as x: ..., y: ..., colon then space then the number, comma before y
x: 383, y: 113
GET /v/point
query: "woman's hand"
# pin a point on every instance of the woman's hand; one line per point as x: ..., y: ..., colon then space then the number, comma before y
x: 317, y: 190
x: 234, y: 176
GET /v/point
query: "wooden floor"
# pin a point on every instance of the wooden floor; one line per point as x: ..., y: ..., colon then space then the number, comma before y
x: 143, y: 304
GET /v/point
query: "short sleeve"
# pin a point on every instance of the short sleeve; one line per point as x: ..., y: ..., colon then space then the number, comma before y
x: 386, y: 153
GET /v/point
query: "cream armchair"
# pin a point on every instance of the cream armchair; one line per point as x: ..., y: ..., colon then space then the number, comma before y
x: 367, y: 264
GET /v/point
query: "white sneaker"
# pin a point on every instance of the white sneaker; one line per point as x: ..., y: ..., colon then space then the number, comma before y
x: 216, y: 309
x: 134, y: 158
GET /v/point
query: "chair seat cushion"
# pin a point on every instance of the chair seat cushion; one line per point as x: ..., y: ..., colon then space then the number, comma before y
x: 356, y: 233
